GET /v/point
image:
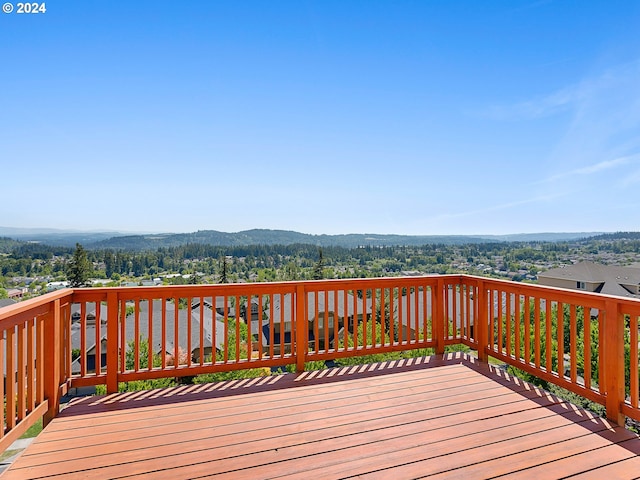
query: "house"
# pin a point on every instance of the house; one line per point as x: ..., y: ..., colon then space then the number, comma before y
x: 594, y: 277
x: 255, y: 310
x: 220, y: 306
x: 5, y: 302
x: 334, y: 311
x: 199, y: 316
x: 51, y: 286
x: 192, y: 344
x: 412, y: 321
x: 90, y: 329
x: 17, y: 293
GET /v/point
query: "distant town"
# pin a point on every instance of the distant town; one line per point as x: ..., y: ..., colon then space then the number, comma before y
x: 31, y: 268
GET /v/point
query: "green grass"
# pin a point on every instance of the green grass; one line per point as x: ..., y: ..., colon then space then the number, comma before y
x: 7, y: 454
x: 33, y: 430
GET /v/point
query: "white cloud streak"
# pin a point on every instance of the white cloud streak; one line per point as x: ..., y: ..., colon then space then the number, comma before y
x: 541, y: 106
x: 595, y: 168
x: 503, y: 206
x: 567, y: 98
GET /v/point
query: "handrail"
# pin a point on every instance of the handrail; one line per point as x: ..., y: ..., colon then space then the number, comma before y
x: 84, y: 337
x: 31, y: 359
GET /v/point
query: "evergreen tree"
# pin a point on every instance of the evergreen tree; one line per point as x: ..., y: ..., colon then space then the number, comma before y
x: 78, y: 269
x: 223, y: 273
x: 318, y: 273
x: 109, y: 262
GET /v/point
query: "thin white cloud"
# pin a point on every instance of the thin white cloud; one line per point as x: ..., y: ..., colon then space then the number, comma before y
x: 566, y: 98
x: 541, y: 106
x: 595, y: 168
x: 503, y: 206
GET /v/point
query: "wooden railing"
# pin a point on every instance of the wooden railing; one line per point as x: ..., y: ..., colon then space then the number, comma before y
x: 32, y: 355
x: 586, y: 343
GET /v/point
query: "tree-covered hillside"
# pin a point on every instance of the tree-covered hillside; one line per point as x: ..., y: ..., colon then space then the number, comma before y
x: 35, y: 265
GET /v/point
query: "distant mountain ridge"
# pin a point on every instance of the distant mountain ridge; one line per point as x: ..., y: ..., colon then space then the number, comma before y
x: 285, y: 237
x: 275, y: 237
x: 138, y: 242
x: 57, y: 237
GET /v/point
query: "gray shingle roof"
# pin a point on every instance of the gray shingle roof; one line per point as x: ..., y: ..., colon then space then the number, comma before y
x: 408, y: 304
x: 195, y: 314
x: 614, y: 280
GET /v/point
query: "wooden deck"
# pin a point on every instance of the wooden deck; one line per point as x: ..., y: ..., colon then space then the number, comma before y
x: 443, y: 417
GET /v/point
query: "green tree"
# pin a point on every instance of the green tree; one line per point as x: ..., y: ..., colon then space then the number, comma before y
x: 291, y: 271
x: 318, y: 273
x: 3, y: 293
x: 79, y: 268
x: 223, y: 272
x: 109, y: 262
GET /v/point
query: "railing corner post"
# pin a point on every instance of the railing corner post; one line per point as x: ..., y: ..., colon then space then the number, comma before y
x: 482, y: 328
x: 301, y: 328
x: 613, y: 358
x: 52, y: 355
x: 112, y: 342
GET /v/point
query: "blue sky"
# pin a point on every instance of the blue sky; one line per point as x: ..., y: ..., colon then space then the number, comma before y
x: 408, y: 117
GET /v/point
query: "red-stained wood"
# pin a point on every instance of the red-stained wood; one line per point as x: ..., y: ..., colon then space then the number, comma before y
x: 123, y: 337
x: 516, y: 328
x: 573, y: 350
x: 560, y: 339
x: 112, y: 342
x: 527, y: 329
x: 39, y: 388
x: 97, y: 339
x: 32, y: 380
x: 21, y: 368
x: 613, y: 470
x: 536, y: 331
x: 150, y: 334
x: 83, y: 338
x: 548, y: 350
x: 189, y: 330
x: 587, y: 347
x: 633, y: 354
x: 2, y: 385
x: 590, y: 457
x: 10, y: 381
x: 613, y: 361
x: 450, y: 415
x: 52, y: 333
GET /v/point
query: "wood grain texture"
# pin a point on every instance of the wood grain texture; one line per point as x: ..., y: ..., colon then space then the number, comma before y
x: 446, y: 416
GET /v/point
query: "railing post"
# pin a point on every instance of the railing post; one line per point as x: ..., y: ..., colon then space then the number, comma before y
x: 52, y: 331
x: 481, y: 328
x: 439, y: 312
x: 112, y: 342
x: 613, y: 359
x: 301, y: 328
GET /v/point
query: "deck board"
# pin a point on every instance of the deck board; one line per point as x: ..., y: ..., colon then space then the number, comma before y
x: 449, y: 417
